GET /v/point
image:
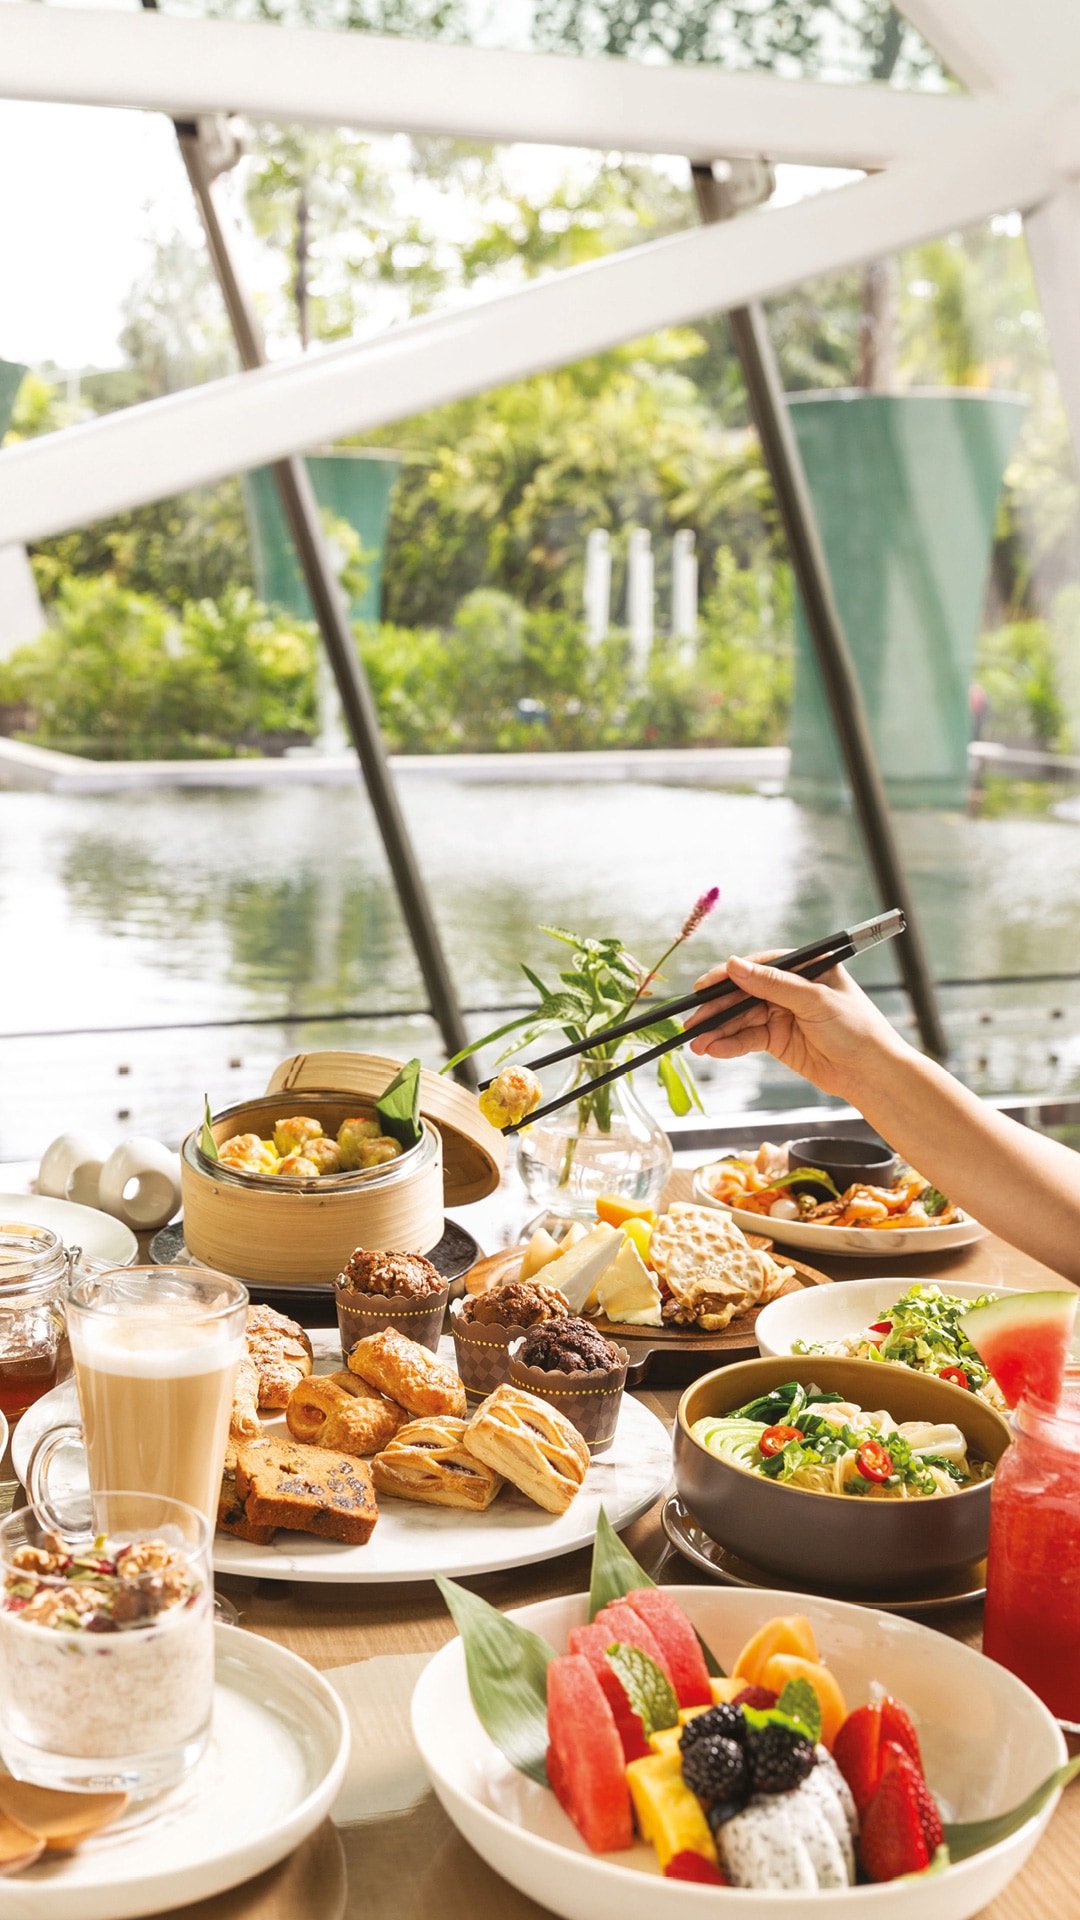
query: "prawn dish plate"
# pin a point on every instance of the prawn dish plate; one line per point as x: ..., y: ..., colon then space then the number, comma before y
x: 759, y: 1192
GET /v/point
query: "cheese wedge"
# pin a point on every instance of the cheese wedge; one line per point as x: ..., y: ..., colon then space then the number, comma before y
x: 541, y: 1250
x: 577, y: 1272
x: 627, y: 1291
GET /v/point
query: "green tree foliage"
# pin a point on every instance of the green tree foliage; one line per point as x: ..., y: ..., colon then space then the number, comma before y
x: 118, y: 675
x: 192, y: 547
x: 1017, y: 670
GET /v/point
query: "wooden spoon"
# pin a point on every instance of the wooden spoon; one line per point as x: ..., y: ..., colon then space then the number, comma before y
x: 60, y: 1820
x: 19, y: 1845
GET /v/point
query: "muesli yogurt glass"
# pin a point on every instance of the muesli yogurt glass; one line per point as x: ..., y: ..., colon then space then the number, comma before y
x: 107, y: 1646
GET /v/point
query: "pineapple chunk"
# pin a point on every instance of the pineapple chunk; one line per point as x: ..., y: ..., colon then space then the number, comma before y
x: 666, y: 1740
x: 667, y: 1813
x: 726, y: 1689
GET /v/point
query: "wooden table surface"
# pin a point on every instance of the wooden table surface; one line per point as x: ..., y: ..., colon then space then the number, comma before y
x: 414, y: 1865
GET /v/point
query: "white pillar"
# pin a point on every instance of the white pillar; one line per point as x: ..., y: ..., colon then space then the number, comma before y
x: 22, y: 616
x: 597, y: 584
x: 684, y: 586
x: 639, y: 597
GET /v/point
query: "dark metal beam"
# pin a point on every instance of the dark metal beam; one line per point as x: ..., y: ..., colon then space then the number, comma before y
x: 769, y: 412
x: 302, y: 514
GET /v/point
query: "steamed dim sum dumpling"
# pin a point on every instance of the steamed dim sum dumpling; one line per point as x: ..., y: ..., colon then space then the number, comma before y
x: 246, y: 1153
x: 351, y: 1136
x: 373, y: 1153
x: 297, y: 1166
x: 291, y: 1134
x: 325, y: 1153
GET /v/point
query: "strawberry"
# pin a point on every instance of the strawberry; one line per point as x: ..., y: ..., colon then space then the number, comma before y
x: 694, y: 1866
x: 857, y: 1752
x: 902, y: 1830
x: 760, y: 1698
x: 859, y: 1746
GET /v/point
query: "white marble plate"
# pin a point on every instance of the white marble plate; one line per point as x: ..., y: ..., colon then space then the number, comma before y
x: 100, y: 1236
x: 986, y: 1740
x: 410, y: 1541
x: 896, y: 1243
x: 276, y: 1760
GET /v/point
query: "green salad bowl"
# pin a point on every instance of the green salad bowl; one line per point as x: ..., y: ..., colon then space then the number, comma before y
x: 838, y: 1543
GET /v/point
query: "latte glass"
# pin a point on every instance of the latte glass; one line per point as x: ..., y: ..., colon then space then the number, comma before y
x: 155, y: 1352
x: 106, y: 1646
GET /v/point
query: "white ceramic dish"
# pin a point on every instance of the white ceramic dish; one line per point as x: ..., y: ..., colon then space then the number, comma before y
x: 986, y: 1741
x: 898, y: 1243
x: 100, y: 1236
x: 410, y: 1541
x: 276, y: 1761
x: 841, y: 1312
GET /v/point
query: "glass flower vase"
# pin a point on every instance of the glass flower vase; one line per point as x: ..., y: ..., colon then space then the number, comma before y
x: 607, y: 1142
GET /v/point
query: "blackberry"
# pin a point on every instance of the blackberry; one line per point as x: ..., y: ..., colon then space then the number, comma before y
x: 723, y: 1719
x: 777, y: 1758
x: 715, y: 1769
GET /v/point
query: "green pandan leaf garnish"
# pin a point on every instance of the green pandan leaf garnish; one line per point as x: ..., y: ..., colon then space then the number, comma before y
x: 650, y: 1692
x: 965, y: 1837
x: 207, y: 1143
x: 399, y: 1107
x: 507, y: 1668
x: 615, y: 1573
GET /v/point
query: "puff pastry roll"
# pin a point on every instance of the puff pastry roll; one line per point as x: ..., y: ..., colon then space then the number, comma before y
x: 341, y: 1411
x: 428, y: 1461
x: 410, y: 1374
x: 281, y: 1351
x: 244, y: 1419
x: 531, y: 1444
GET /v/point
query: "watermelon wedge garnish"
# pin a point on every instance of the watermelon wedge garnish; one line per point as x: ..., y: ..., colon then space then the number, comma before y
x: 1024, y: 1340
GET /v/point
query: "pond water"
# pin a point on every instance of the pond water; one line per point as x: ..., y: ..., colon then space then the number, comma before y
x: 170, y: 909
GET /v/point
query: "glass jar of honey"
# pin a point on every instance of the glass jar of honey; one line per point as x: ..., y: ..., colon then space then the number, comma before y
x: 34, y: 1268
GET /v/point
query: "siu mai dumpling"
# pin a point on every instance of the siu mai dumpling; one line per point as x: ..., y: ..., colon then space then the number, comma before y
x: 351, y: 1136
x: 297, y: 1166
x: 289, y: 1135
x: 326, y: 1154
x: 246, y: 1153
x: 374, y: 1153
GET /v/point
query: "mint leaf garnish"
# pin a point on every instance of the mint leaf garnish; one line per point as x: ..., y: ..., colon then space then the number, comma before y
x: 800, y: 1703
x: 649, y: 1691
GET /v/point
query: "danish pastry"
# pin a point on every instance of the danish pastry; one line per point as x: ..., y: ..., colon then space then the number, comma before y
x: 244, y: 1419
x: 281, y: 1351
x: 340, y: 1410
x: 408, y: 1373
x: 531, y: 1444
x: 428, y: 1461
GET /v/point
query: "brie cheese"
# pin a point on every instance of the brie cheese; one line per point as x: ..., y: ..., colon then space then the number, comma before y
x: 628, y: 1291
x: 577, y: 1272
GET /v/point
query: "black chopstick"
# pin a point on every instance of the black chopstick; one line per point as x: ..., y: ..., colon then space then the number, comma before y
x: 857, y: 937
x: 842, y: 946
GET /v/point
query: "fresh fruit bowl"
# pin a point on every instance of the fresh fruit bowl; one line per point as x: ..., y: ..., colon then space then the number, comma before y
x: 986, y: 1740
x: 829, y: 1540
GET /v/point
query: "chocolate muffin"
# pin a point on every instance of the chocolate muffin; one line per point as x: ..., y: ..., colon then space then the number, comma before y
x: 568, y: 1346
x: 404, y: 1276
x: 520, y: 1303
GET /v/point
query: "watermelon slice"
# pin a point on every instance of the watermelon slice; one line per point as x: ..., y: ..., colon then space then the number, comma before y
x: 592, y: 1644
x: 678, y: 1644
x: 620, y: 1622
x: 585, y: 1757
x: 1024, y: 1340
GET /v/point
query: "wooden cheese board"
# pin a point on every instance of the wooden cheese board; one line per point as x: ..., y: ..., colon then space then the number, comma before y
x: 666, y: 1356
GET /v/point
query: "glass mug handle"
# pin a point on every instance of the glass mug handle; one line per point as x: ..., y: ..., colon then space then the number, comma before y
x: 68, y: 1510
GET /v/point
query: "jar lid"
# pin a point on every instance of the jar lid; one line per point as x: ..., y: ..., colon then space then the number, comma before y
x: 474, y: 1152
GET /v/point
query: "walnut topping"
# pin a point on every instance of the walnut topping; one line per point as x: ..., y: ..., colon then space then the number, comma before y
x: 37, y: 1560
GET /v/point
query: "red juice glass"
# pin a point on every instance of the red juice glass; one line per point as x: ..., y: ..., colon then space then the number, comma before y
x: 1033, y: 1570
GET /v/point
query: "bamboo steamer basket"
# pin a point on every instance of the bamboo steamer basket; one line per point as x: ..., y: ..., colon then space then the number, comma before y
x: 302, y: 1233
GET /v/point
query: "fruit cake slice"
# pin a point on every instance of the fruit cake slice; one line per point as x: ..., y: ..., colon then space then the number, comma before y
x: 231, y: 1516
x: 285, y: 1483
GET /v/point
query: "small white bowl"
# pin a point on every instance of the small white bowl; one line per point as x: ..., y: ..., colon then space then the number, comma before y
x: 986, y: 1740
x: 847, y: 1308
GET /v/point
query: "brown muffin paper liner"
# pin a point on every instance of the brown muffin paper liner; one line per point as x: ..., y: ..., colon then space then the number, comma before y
x: 362, y: 1313
x: 483, y: 1353
x: 591, y: 1401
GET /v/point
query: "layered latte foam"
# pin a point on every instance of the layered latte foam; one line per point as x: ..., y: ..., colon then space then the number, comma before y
x: 156, y: 1390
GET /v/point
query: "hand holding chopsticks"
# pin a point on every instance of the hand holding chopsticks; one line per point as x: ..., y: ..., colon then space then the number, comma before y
x: 810, y: 962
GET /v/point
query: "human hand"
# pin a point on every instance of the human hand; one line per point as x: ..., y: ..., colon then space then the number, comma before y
x: 826, y: 1030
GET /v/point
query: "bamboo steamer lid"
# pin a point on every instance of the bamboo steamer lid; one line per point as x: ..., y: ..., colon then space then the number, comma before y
x: 474, y: 1152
